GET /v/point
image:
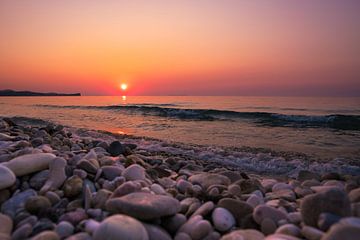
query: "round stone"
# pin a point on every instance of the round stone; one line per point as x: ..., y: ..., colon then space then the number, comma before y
x: 248, y: 234
x: 239, y: 209
x: 29, y: 163
x: 120, y: 226
x: 341, y: 231
x: 116, y: 148
x: 64, y: 229
x: 37, y: 204
x: 222, y: 219
x: 333, y: 201
x: 73, y: 186
x: 144, y: 206
x: 134, y: 172
x: 200, y: 230
x: 207, y: 179
x: 6, y: 225
x: 263, y: 211
x: 7, y: 177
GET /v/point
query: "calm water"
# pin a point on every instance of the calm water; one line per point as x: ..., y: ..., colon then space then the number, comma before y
x: 320, y: 127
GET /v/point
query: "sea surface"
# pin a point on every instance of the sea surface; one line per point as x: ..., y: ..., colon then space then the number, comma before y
x: 322, y: 128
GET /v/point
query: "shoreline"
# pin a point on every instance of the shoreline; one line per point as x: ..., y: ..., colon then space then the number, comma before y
x: 70, y: 183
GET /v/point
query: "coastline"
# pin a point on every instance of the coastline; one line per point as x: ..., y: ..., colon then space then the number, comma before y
x: 84, y: 184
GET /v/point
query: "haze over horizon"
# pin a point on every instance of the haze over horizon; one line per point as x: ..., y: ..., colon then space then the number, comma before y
x: 229, y: 47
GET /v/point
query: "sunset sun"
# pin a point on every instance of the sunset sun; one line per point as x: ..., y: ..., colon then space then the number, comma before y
x: 123, y: 86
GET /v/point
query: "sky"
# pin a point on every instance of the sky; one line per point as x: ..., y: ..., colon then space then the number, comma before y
x: 187, y: 47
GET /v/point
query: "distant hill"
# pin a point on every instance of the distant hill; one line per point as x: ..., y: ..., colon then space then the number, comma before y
x: 9, y: 93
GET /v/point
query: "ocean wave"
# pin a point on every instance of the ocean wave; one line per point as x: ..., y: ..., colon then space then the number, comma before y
x: 335, y: 121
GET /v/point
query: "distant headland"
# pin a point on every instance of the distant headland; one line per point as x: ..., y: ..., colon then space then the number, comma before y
x: 12, y: 93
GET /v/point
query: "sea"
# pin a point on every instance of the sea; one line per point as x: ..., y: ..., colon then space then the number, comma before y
x: 320, y: 128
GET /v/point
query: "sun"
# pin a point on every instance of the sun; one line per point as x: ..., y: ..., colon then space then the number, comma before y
x: 123, y: 86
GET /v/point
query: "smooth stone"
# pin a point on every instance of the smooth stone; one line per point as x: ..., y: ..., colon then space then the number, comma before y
x: 126, y: 188
x: 204, y: 209
x: 222, y: 219
x: 144, y: 206
x: 248, y: 234
x: 37, y: 204
x: 120, y: 226
x: 91, y: 226
x: 183, y: 185
x: 38, y: 180
x: 29, y: 163
x: 89, y: 165
x: 354, y: 195
x: 190, y: 224
x: 263, y: 211
x: 249, y: 185
x: 239, y: 209
x: 200, y: 230
x: 22, y: 232
x: 286, y: 194
x: 64, y: 229
x: 352, y: 221
x: 207, y: 179
x: 312, y: 233
x: 111, y: 172
x: 173, y: 223
x: 279, y: 236
x: 6, y: 224
x: 281, y: 186
x: 73, y: 186
x: 234, y: 190
x: 332, y: 201
x: 80, y: 236
x: 134, y: 172
x: 116, y: 148
x: 74, y: 217
x: 268, y: 184
x: 100, y: 198
x: 289, y: 229
x: 7, y: 177
x: 56, y: 177
x: 341, y: 231
x: 294, y: 217
x: 268, y: 226
x: 157, y: 189
x: 16, y: 202
x: 182, y: 236
x: 326, y: 220
x: 53, y: 197
x: 156, y: 233
x: 254, y: 200
x: 46, y: 235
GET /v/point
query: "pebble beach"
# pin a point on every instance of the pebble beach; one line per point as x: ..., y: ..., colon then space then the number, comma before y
x: 59, y: 182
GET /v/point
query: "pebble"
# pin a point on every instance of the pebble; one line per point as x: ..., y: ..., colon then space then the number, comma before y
x: 17, y: 202
x: 312, y: 233
x: 111, y: 172
x: 7, y: 177
x: 263, y: 211
x: 134, y: 172
x: 239, y: 209
x: 38, y: 180
x: 56, y: 176
x: 341, y: 231
x: 268, y: 226
x: 354, y: 195
x: 289, y: 229
x: 183, y: 185
x: 73, y: 186
x: 326, y: 220
x: 254, y: 200
x: 156, y: 233
x: 6, y: 225
x: 204, y: 209
x: 29, y: 163
x: 116, y: 148
x: 222, y: 219
x: 173, y: 223
x: 120, y: 225
x: 207, y: 179
x: 64, y: 229
x: 279, y: 236
x: 248, y: 234
x: 332, y: 201
x: 144, y: 205
x: 22, y: 232
x: 200, y: 230
x: 46, y: 235
x: 37, y: 205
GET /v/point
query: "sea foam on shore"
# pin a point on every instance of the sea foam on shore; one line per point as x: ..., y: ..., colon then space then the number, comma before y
x: 70, y: 183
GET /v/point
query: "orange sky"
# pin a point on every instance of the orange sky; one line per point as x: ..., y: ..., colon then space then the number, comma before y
x: 187, y: 47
